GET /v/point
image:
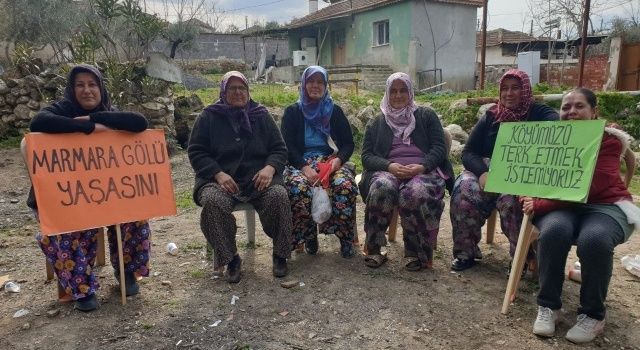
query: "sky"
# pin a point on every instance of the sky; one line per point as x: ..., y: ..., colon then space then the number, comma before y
x: 508, y: 14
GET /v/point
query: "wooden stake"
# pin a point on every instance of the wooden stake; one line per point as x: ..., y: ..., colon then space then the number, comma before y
x: 123, y: 291
x: 518, y: 262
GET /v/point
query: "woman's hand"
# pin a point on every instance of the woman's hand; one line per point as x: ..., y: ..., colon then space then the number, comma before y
x: 482, y: 180
x: 97, y: 127
x: 226, y: 182
x: 310, y: 174
x: 415, y: 169
x: 336, y: 163
x: 400, y: 171
x: 527, y: 205
x: 100, y: 127
x: 262, y: 179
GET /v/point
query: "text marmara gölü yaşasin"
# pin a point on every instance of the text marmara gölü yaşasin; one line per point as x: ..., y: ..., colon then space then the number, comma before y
x: 96, y: 158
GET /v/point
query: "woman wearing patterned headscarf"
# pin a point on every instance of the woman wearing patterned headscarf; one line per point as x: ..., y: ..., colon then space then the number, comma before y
x: 470, y: 206
x: 405, y: 162
x: 317, y: 133
x: 86, y: 108
x: 238, y: 156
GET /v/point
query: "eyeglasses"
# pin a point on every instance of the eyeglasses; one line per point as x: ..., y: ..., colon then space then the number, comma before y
x: 238, y: 88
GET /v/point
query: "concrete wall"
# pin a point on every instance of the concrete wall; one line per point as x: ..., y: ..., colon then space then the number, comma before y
x: 229, y: 46
x: 360, y: 47
x: 457, y: 58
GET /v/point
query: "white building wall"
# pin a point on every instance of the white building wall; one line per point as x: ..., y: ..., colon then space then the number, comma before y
x: 454, y: 28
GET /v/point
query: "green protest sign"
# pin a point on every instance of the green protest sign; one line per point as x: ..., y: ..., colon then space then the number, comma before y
x: 545, y: 159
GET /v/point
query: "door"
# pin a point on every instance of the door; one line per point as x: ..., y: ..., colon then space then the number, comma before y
x: 629, y: 76
x: 338, y: 51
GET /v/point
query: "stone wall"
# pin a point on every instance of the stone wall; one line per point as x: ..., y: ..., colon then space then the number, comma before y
x: 22, y: 97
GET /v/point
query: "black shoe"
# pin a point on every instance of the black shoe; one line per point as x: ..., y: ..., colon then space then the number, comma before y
x: 88, y: 303
x: 131, y: 285
x: 311, y: 246
x: 280, y: 268
x: 346, y: 249
x: 233, y: 270
x: 462, y: 264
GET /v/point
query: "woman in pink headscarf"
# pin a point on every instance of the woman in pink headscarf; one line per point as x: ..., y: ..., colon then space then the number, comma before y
x: 405, y: 166
x: 470, y: 205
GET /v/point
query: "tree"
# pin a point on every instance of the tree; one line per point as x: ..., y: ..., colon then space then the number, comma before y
x: 271, y: 25
x: 40, y: 23
x: 543, y: 12
x: 232, y: 28
x: 182, y: 33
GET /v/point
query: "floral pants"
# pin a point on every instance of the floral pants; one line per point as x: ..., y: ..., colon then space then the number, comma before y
x: 73, y: 255
x: 470, y: 208
x: 342, y: 192
x: 420, y: 204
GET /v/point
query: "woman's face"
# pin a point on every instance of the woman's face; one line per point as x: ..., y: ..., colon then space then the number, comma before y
x: 236, y: 93
x: 314, y: 87
x: 576, y: 107
x: 511, y: 93
x: 87, y: 91
x: 398, y: 94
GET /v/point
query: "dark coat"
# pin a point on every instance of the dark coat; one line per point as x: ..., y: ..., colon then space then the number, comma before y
x: 292, y: 128
x: 214, y: 146
x: 428, y: 136
x: 483, y: 137
x: 59, y: 117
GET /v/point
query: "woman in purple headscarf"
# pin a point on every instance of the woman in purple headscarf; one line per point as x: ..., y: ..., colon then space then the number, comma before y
x: 238, y: 156
x: 405, y: 162
x: 86, y: 108
x: 470, y: 205
x: 316, y: 131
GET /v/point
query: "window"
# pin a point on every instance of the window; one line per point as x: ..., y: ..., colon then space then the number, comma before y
x: 381, y: 33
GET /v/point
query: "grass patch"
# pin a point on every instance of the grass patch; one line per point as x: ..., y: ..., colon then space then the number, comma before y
x: 247, y: 245
x: 11, y: 142
x: 184, y: 200
x: 197, y: 273
x: 147, y: 326
x: 194, y: 246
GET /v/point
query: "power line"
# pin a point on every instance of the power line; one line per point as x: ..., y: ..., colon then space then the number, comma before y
x: 252, y: 6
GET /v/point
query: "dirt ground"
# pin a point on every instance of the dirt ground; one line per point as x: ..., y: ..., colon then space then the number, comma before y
x: 339, y: 304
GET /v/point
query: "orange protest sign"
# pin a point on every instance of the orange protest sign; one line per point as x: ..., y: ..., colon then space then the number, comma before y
x: 86, y: 181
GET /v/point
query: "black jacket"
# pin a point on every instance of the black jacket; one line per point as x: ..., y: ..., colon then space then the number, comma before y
x: 292, y: 128
x: 214, y: 146
x: 428, y: 136
x: 483, y: 137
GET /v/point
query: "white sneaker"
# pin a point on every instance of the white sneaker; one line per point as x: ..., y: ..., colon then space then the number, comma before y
x: 585, y: 330
x: 545, y: 324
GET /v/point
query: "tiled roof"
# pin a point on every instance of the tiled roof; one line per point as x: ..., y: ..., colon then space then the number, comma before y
x: 348, y: 7
x: 502, y: 36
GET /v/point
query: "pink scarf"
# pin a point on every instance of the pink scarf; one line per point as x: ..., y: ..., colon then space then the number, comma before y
x: 504, y: 114
x: 401, y: 121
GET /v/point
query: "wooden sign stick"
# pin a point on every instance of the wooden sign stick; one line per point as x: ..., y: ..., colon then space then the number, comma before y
x: 519, y: 258
x: 123, y: 289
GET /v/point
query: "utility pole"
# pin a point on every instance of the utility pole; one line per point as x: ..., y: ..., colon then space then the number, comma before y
x: 583, y: 41
x: 483, y: 49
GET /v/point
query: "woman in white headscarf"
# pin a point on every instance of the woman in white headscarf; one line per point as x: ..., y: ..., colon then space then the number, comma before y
x: 405, y: 166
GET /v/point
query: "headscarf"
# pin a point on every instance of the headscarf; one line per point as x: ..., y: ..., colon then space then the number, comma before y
x: 70, y: 106
x: 401, y: 121
x: 504, y: 114
x: 239, y: 117
x: 317, y: 114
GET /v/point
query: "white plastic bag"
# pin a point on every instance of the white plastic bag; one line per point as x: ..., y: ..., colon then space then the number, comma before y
x: 631, y: 264
x: 320, y: 205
